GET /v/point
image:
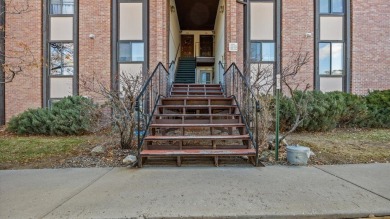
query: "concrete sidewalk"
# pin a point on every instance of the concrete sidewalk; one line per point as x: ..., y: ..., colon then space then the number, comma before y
x: 345, y: 191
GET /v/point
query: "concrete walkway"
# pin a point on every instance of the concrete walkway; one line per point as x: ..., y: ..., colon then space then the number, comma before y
x: 345, y: 191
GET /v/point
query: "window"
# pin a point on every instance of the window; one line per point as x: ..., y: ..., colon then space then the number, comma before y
x: 262, y: 52
x: 61, y: 59
x: 331, y: 6
x: 61, y: 6
x: 331, y: 58
x: 131, y: 52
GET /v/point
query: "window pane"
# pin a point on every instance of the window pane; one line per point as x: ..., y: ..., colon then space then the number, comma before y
x: 67, y: 56
x: 55, y: 58
x: 255, y: 52
x: 68, y: 7
x: 337, y: 6
x: 137, y: 52
x: 337, y: 59
x: 324, y: 6
x: 324, y: 59
x: 268, y: 52
x: 125, y: 52
x: 55, y: 7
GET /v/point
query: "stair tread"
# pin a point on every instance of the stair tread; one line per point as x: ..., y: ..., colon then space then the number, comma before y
x: 198, y: 125
x: 197, y: 137
x: 216, y: 115
x: 197, y: 106
x: 196, y: 98
x: 204, y: 152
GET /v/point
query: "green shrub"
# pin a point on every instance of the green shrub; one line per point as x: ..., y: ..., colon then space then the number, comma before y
x: 69, y: 116
x: 354, y: 112
x: 325, y: 111
x: 378, y: 104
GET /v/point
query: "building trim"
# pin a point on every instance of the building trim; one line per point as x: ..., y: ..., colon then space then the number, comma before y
x: 348, y: 50
x: 277, y: 37
x: 46, y: 51
x: 346, y: 83
x: 115, y: 28
x: 2, y: 61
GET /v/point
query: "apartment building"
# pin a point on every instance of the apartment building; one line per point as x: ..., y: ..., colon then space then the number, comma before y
x: 76, y: 40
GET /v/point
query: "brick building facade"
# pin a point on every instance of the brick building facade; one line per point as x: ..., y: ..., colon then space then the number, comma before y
x: 73, y: 41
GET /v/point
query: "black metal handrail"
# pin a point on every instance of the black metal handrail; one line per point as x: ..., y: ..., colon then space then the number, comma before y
x: 158, y: 85
x: 235, y: 84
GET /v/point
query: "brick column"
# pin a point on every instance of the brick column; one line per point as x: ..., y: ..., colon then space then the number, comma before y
x: 94, y: 54
x: 24, y: 29
x: 370, y: 45
x: 158, y: 33
x: 297, y: 20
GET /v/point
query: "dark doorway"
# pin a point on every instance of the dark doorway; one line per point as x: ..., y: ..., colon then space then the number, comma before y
x: 206, y: 45
x: 187, y: 46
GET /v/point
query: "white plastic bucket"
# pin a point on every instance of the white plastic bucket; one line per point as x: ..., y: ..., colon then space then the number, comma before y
x: 298, y: 155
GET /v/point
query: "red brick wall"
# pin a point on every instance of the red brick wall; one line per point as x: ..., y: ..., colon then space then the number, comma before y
x: 26, y: 89
x: 370, y: 45
x: 158, y: 33
x: 234, y: 32
x: 94, y: 54
x: 297, y: 20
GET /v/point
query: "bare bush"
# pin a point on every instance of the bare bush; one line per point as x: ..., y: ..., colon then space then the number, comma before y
x: 120, y: 103
x: 261, y: 77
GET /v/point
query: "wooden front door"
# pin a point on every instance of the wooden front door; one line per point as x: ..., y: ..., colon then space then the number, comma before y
x: 206, y: 45
x: 187, y: 45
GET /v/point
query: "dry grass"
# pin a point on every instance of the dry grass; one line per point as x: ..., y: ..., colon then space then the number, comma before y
x: 346, y: 146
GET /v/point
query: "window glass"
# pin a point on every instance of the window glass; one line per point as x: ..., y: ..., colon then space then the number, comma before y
x: 61, y: 6
x: 324, y: 6
x: 67, y: 59
x: 68, y: 7
x: 337, y: 58
x: 255, y: 52
x: 125, y: 52
x: 137, y: 52
x: 324, y: 58
x: 55, y: 58
x: 55, y: 7
x: 337, y: 6
x: 61, y: 59
x: 268, y: 52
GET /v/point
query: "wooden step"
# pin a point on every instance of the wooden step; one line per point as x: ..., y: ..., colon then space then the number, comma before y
x: 197, y: 98
x: 195, y: 115
x: 196, y: 95
x: 193, y: 147
x: 194, y: 152
x: 198, y: 106
x: 211, y: 125
x: 195, y: 85
x: 198, y: 137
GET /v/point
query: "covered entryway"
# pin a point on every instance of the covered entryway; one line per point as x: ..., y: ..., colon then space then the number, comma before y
x: 196, y: 40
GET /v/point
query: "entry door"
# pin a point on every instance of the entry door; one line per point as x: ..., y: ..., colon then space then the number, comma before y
x: 205, y: 77
x: 187, y: 45
x: 206, y: 45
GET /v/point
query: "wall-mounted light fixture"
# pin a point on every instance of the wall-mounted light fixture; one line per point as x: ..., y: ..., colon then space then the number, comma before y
x: 221, y: 9
x: 92, y: 36
x: 308, y: 35
x: 173, y: 9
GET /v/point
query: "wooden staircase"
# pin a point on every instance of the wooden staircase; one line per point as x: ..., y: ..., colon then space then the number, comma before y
x: 196, y: 120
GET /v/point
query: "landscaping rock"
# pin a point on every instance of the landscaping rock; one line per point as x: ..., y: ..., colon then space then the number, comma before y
x: 130, y: 159
x: 271, y: 142
x: 98, y: 150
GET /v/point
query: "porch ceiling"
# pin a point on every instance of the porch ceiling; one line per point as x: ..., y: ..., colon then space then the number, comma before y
x: 197, y: 14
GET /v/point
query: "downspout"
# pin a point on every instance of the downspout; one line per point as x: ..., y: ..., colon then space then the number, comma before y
x: 2, y: 61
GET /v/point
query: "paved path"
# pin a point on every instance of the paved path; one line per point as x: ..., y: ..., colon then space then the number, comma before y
x: 235, y: 192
